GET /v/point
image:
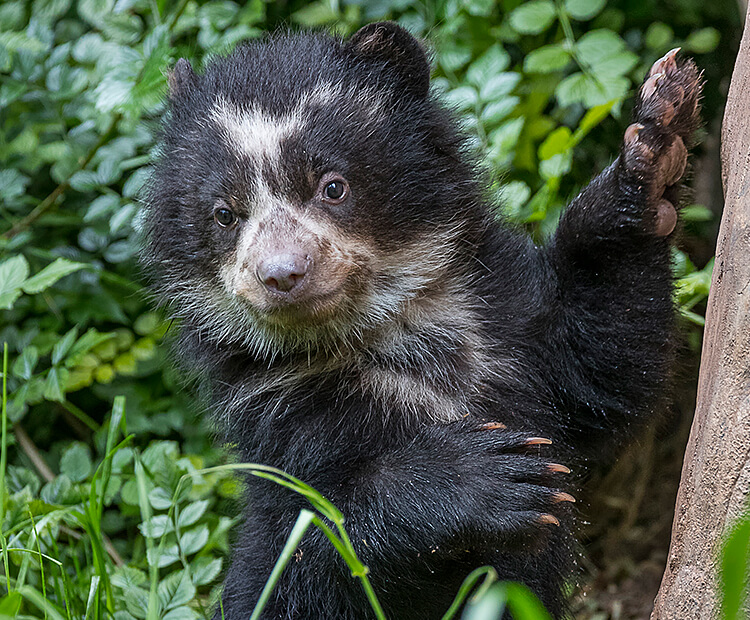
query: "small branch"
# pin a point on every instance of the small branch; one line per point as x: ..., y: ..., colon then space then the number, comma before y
x: 30, y: 450
x: 50, y: 201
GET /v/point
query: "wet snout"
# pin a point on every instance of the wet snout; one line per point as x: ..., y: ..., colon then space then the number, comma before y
x: 284, y: 271
x: 292, y: 266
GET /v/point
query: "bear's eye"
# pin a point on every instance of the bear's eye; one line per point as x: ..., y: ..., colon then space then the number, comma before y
x: 225, y: 217
x: 335, y: 190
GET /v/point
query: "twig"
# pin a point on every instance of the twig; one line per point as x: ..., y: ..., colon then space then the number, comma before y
x: 50, y: 201
x: 29, y: 448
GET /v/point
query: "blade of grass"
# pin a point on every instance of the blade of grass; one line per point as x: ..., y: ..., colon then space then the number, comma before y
x: 153, y: 569
x: 5, y: 561
x: 118, y: 410
x: 4, y: 437
x: 62, y: 593
x: 39, y: 554
x: 4, y: 461
x: 490, y: 577
x: 92, y: 602
x: 305, y: 518
x: 342, y: 543
x: 523, y: 603
x: 41, y: 559
x: 33, y: 596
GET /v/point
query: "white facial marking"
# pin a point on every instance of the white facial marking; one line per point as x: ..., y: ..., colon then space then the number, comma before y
x: 255, y: 133
x: 252, y: 132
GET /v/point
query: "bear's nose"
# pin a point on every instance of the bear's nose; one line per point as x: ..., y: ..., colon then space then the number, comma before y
x: 283, y: 272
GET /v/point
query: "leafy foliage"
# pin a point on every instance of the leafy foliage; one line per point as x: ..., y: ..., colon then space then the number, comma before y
x: 93, y: 522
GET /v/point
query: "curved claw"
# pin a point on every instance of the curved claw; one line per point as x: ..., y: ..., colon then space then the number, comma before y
x: 537, y: 441
x: 556, y: 468
x: 666, y: 63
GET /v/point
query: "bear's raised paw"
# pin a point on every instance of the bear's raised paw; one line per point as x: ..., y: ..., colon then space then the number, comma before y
x: 654, y: 152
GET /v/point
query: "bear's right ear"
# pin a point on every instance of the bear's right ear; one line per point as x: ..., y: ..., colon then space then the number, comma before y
x: 389, y: 43
x: 182, y: 79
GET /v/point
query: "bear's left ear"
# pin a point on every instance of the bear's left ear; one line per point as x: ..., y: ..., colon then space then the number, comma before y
x: 182, y: 79
x: 389, y: 43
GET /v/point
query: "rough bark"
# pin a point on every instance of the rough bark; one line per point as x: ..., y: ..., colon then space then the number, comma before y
x: 716, y: 470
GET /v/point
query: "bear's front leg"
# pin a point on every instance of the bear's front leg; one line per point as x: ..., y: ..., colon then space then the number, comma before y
x: 610, y: 259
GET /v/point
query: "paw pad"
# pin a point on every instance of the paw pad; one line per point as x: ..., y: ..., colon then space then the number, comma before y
x: 654, y: 153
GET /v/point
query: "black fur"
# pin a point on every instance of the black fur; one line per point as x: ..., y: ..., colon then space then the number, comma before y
x: 381, y: 407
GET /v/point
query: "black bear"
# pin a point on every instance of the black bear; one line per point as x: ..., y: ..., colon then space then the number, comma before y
x: 362, y: 321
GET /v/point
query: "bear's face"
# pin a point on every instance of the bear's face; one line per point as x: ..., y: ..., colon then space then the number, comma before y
x: 300, y: 207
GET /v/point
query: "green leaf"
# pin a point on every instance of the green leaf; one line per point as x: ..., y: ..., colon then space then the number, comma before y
x: 571, y: 90
x: 555, y: 143
x: 316, y: 14
x: 697, y: 213
x: 160, y: 499
x: 546, y: 59
x: 156, y: 526
x: 147, y: 323
x: 102, y: 207
x: 498, y: 110
x: 461, y: 98
x: 192, y: 512
x: 194, y: 540
x: 91, y: 339
x: 63, y: 345
x: 94, y: 11
x: 13, y: 274
x: 513, y: 196
x: 12, y: 184
x: 56, y: 491
x: 181, y: 613
x: 658, y: 36
x: 482, y: 8
x: 76, y: 462
x: 176, y: 590
x: 163, y: 557
x: 136, y: 601
x: 592, y: 118
x: 735, y: 563
x: 10, y: 604
x: 499, y: 85
x: 50, y: 10
x: 127, y: 577
x: 84, y: 181
x: 205, y: 570
x: 505, y: 137
x: 584, y: 10
x: 703, y: 41
x: 24, y: 365
x: 599, y: 45
x: 489, y: 64
x: 556, y: 166
x: 112, y: 93
x: 533, y: 17
x: 453, y: 56
x: 616, y: 65
x: 581, y: 88
x: 60, y: 268
x: 54, y: 386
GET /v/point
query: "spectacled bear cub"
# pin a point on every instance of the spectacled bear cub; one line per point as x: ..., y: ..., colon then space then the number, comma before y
x: 362, y: 321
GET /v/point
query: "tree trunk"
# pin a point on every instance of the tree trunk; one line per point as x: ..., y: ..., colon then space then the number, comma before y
x: 716, y: 471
